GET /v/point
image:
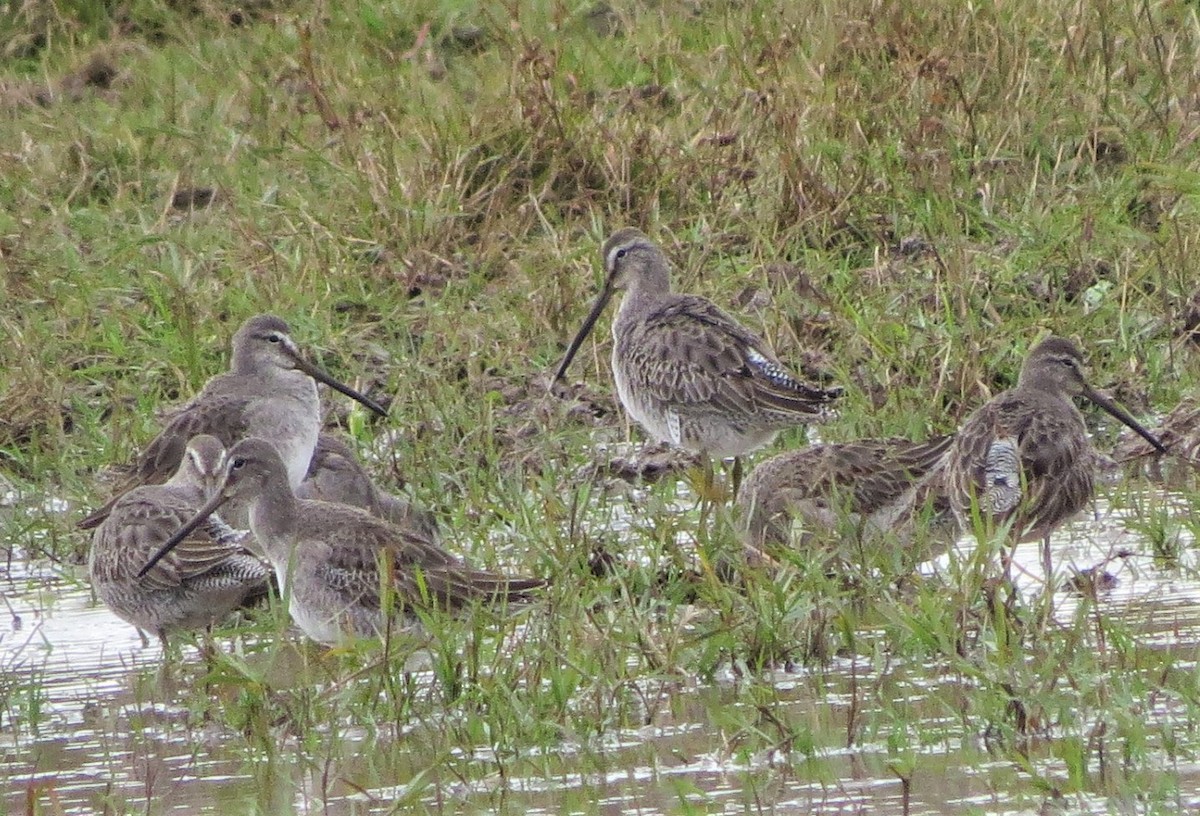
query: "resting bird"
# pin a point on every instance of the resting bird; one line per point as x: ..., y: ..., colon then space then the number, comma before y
x: 270, y: 391
x: 878, y: 485
x: 337, y: 564
x: 336, y: 475
x: 206, y: 576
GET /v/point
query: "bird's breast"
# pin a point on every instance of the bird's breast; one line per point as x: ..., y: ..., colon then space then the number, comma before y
x: 290, y: 419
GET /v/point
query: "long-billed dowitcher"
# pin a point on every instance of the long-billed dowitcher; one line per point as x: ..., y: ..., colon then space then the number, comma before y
x: 268, y: 392
x: 688, y: 373
x: 876, y: 485
x: 336, y: 563
x: 201, y: 581
x: 1024, y: 459
x: 336, y: 475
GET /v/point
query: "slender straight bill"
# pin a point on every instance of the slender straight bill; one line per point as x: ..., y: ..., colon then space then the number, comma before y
x: 1123, y: 415
x: 601, y: 301
x: 320, y: 376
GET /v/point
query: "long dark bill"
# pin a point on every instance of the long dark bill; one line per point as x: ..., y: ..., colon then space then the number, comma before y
x: 183, y: 532
x: 598, y: 307
x: 1123, y: 415
x: 320, y: 376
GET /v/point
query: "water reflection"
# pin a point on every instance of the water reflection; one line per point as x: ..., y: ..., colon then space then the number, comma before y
x: 85, y: 725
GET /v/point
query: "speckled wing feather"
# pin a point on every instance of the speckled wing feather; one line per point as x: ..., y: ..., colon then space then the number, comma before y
x: 161, y: 457
x: 145, y: 518
x: 452, y: 588
x: 372, y: 535
x: 882, y: 472
x: 417, y: 563
x: 862, y: 477
x: 692, y: 356
x: 1052, y: 487
x: 968, y: 463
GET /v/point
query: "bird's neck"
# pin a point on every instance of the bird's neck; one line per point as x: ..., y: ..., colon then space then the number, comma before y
x: 1043, y: 383
x: 646, y: 290
x: 273, y: 518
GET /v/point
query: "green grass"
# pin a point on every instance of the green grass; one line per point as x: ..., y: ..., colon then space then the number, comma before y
x: 421, y: 189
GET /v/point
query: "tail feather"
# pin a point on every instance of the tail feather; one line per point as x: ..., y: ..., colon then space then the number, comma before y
x: 454, y: 587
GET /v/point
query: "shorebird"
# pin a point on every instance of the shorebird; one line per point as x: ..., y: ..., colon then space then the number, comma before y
x: 336, y: 475
x: 876, y: 485
x: 688, y: 373
x: 269, y: 392
x: 336, y: 564
x: 1024, y: 459
x: 203, y: 579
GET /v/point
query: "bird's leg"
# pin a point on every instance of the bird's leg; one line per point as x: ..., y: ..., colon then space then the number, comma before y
x: 164, y: 677
x: 704, y: 486
x: 703, y: 480
x: 736, y: 477
x: 1048, y: 566
x: 1006, y: 559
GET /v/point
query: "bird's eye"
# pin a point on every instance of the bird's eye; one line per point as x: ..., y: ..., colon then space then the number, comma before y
x: 274, y: 338
x: 621, y: 253
x: 239, y: 462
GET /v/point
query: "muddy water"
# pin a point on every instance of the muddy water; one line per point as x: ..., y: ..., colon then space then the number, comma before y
x: 84, y: 727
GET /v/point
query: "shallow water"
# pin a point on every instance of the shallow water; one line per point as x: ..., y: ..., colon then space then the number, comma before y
x: 85, y: 726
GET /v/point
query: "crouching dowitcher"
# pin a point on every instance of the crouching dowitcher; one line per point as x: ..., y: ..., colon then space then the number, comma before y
x: 688, y: 373
x: 1024, y: 459
x: 336, y: 564
x: 269, y: 392
x: 876, y: 485
x: 336, y: 475
x: 205, y: 576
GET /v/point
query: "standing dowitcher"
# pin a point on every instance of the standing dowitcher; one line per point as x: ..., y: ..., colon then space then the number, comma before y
x: 202, y: 580
x: 269, y: 392
x: 337, y: 564
x: 1024, y: 459
x: 335, y: 475
x: 877, y: 485
x: 688, y: 373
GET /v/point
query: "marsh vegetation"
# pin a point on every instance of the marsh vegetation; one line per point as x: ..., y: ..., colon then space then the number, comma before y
x: 902, y: 197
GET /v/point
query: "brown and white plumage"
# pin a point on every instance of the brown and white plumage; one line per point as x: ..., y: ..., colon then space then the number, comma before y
x: 270, y: 391
x: 878, y: 485
x: 336, y: 475
x: 335, y: 562
x: 1024, y: 459
x: 203, y: 579
x: 687, y: 372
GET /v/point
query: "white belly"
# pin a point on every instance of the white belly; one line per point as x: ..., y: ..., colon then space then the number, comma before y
x: 662, y: 425
x: 317, y: 624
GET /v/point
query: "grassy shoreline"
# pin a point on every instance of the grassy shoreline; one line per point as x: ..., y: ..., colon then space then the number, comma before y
x: 904, y: 195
